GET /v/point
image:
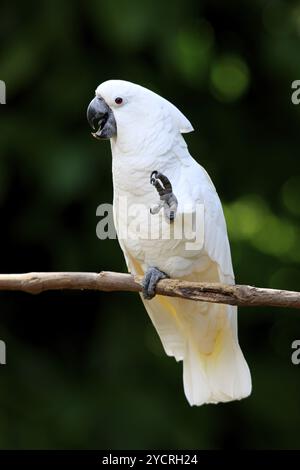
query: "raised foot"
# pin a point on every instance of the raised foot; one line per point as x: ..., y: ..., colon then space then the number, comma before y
x: 168, y: 200
x: 151, y: 278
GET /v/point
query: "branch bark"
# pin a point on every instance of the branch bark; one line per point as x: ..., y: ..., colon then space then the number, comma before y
x: 241, y: 295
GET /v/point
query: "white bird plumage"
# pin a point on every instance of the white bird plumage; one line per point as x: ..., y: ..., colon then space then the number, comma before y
x: 202, y: 335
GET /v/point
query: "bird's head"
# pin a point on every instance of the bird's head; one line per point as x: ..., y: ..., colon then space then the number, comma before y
x: 126, y: 112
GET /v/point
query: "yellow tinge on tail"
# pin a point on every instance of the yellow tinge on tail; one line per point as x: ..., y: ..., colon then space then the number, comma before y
x: 204, y: 337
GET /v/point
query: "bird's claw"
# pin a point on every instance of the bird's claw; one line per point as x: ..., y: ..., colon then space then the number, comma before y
x: 150, y: 280
x: 168, y: 200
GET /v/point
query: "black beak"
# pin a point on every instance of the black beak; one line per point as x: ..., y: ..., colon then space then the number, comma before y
x: 96, y: 111
x: 101, y: 119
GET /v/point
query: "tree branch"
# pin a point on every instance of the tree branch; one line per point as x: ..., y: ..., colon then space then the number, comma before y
x: 241, y: 295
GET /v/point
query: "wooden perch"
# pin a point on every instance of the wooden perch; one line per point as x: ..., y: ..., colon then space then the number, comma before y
x: 242, y: 295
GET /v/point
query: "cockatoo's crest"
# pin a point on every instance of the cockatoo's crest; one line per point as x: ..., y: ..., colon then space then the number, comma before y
x: 140, y: 99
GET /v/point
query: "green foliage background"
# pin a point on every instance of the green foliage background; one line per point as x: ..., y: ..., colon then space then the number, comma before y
x: 86, y: 370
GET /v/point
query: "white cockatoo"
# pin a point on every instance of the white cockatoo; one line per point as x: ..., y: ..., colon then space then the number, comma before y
x: 150, y: 159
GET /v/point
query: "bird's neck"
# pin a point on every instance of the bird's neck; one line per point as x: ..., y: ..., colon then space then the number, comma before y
x: 131, y: 174
x: 132, y: 168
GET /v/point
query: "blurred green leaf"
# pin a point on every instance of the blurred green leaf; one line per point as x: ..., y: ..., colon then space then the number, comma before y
x: 230, y: 78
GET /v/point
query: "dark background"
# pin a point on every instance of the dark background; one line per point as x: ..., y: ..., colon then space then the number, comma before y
x: 86, y: 370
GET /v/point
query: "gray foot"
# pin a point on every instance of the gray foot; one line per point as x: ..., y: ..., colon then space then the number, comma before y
x: 168, y: 200
x: 151, y: 278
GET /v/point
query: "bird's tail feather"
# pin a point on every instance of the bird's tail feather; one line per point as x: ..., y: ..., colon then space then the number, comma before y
x: 204, y: 337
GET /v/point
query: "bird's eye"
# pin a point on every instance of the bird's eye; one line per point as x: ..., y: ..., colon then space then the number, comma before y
x: 119, y: 100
